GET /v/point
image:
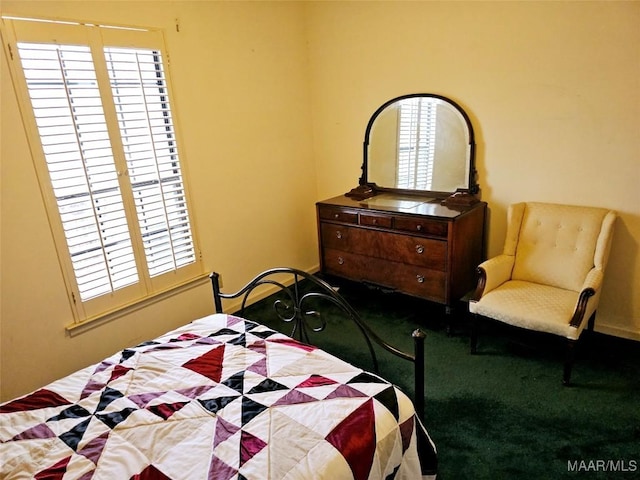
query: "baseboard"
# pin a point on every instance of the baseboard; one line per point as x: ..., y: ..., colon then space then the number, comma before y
x: 617, y: 331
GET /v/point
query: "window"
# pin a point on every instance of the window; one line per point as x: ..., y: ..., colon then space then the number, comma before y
x: 97, y: 105
x: 416, y: 143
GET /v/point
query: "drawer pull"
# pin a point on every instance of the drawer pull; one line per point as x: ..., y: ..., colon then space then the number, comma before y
x: 338, y: 234
x: 336, y: 215
x: 340, y: 261
x: 419, y: 249
x: 420, y: 278
x: 419, y: 227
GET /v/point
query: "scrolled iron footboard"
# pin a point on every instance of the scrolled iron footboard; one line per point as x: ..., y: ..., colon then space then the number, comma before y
x: 292, y: 310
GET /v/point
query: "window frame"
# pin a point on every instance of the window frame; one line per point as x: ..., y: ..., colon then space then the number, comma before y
x: 99, y: 37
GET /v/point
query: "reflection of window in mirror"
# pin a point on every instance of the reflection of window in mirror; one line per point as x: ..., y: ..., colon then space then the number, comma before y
x: 419, y: 143
x: 416, y: 143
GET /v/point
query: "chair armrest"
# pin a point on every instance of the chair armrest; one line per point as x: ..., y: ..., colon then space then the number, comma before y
x: 590, y: 287
x: 593, y: 280
x: 493, y: 273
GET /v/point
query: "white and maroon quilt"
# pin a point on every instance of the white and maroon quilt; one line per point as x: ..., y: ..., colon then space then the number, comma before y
x: 221, y: 398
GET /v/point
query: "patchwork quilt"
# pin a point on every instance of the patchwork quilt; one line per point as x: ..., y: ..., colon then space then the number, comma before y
x: 221, y: 398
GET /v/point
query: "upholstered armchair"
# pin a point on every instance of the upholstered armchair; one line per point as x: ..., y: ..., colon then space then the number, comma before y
x: 549, y: 276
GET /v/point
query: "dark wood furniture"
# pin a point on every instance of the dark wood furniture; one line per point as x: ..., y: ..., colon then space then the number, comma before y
x: 414, y: 224
x: 413, y: 245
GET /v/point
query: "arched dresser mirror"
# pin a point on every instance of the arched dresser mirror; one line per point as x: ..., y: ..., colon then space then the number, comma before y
x: 419, y: 144
x: 414, y: 223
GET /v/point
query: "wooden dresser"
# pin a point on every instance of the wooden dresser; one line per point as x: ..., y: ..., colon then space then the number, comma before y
x: 413, y: 245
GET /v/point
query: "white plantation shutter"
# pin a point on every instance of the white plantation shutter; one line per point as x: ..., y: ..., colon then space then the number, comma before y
x: 416, y: 143
x: 113, y: 184
x: 146, y: 128
x: 66, y: 103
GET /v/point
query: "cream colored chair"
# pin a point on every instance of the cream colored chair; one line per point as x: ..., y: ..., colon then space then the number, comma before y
x: 549, y: 276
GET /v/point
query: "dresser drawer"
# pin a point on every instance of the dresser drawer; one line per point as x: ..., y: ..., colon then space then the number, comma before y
x: 421, y: 226
x: 420, y: 251
x: 337, y: 214
x: 381, y: 221
x: 414, y: 280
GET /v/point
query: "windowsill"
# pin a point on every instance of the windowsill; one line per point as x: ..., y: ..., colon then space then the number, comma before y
x: 90, y: 323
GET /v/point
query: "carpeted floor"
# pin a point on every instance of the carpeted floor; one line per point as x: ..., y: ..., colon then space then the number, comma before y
x: 503, y: 413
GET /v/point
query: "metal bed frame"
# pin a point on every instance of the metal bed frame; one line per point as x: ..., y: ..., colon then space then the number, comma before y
x: 301, y: 288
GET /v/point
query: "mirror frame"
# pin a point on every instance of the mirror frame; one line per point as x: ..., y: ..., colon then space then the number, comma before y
x: 366, y: 189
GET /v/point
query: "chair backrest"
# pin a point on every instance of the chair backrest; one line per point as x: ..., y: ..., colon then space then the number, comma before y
x: 556, y: 244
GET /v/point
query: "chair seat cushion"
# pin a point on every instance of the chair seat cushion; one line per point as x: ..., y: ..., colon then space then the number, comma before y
x: 532, y: 306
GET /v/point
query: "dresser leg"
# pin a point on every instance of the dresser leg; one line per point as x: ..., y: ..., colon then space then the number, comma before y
x: 449, y: 314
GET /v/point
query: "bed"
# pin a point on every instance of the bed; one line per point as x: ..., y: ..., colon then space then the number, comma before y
x: 224, y: 397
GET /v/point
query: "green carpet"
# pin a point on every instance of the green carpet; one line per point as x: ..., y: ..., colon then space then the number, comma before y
x: 503, y: 413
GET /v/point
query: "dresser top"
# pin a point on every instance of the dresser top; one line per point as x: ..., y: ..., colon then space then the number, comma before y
x: 396, y: 203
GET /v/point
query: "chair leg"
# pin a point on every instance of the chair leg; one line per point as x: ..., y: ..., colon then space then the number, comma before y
x: 568, y: 362
x: 592, y: 322
x: 474, y: 334
x: 571, y: 348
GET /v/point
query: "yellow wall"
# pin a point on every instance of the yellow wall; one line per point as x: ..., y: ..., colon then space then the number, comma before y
x: 240, y: 83
x: 551, y: 88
